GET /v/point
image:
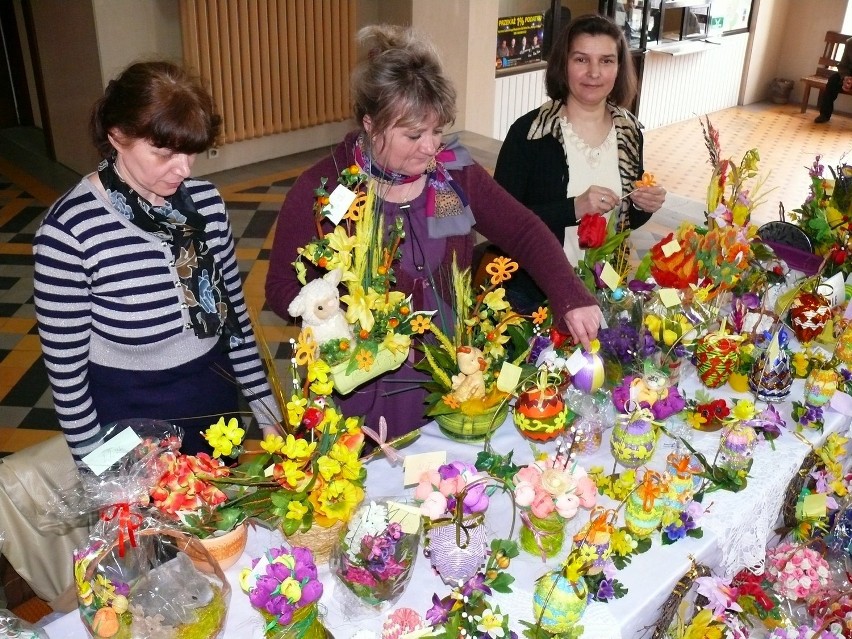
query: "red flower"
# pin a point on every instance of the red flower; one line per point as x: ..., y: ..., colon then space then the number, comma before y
x: 592, y: 231
x: 677, y: 270
x: 312, y: 417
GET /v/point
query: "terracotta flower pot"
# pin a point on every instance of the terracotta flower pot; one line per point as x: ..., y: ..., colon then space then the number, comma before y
x: 226, y: 549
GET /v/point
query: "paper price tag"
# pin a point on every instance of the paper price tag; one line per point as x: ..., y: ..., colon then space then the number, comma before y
x: 508, y: 378
x: 576, y: 362
x: 814, y: 505
x: 669, y: 297
x: 774, y: 348
x: 415, y: 465
x: 610, y: 277
x: 110, y: 452
x: 339, y: 202
x: 834, y: 289
x: 408, y: 517
x: 670, y: 248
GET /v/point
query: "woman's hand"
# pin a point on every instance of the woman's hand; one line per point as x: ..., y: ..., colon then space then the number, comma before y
x: 595, y: 199
x: 584, y: 322
x: 649, y: 198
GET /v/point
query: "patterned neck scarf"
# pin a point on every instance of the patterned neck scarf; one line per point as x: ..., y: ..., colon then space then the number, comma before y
x: 447, y: 210
x: 178, y: 223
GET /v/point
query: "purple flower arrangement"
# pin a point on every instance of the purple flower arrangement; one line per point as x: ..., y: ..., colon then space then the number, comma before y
x: 282, y: 582
x: 625, y: 344
x: 377, y: 551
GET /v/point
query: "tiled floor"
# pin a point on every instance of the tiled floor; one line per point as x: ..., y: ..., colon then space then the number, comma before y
x: 786, y: 139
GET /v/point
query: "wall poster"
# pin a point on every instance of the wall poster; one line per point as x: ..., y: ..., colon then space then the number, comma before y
x: 519, y: 40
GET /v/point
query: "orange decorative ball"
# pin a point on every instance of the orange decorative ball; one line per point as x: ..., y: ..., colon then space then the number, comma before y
x: 105, y: 623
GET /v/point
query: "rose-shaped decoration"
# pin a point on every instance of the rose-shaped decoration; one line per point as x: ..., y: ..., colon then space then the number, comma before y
x: 591, y: 231
x: 673, y: 268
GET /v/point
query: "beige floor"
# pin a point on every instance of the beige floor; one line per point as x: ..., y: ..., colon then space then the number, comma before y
x: 786, y: 140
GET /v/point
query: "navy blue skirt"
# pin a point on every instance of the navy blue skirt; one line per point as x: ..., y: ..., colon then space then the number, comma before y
x: 192, y: 396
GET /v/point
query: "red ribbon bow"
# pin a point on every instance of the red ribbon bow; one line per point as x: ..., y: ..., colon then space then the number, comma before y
x: 128, y: 522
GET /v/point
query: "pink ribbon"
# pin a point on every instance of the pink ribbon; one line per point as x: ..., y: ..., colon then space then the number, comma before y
x: 381, y: 439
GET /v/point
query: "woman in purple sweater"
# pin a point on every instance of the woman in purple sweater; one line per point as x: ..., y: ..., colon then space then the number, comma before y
x: 402, y: 103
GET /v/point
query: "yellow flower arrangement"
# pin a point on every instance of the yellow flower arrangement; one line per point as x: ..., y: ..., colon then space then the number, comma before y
x: 380, y: 318
x: 465, y: 366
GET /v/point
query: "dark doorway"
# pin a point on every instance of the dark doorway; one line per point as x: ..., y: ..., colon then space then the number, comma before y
x: 15, y: 106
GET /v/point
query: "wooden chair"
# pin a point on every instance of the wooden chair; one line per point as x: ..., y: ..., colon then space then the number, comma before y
x: 835, y: 42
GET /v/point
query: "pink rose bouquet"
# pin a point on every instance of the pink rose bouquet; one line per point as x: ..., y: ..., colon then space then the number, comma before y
x: 439, y: 490
x: 797, y: 572
x: 549, y: 486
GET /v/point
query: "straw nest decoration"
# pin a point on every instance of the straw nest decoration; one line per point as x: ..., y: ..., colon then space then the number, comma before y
x: 794, y: 488
x: 669, y: 608
x: 319, y: 540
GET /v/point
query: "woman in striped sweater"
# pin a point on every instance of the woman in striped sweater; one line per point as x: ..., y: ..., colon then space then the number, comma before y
x: 138, y: 295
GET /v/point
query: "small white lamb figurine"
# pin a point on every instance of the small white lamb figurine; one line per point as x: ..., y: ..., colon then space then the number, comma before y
x: 318, y: 304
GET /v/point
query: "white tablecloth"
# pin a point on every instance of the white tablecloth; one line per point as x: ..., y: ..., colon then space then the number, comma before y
x: 736, y: 530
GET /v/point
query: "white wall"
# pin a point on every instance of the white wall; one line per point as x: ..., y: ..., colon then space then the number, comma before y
x: 767, y: 41
x: 805, y: 29
x: 121, y: 41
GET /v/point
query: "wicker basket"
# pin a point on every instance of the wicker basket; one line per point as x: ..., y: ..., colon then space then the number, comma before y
x: 319, y: 540
x: 210, y: 620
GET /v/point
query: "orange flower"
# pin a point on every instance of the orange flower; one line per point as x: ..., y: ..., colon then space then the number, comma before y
x: 539, y: 316
x: 501, y: 269
x: 451, y: 401
x: 647, y: 180
x: 364, y: 359
x: 420, y: 324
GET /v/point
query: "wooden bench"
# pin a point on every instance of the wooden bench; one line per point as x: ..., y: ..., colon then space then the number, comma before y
x: 835, y: 42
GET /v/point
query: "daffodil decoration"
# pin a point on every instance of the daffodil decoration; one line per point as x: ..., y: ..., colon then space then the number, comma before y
x: 465, y: 364
x: 311, y: 474
x: 365, y: 247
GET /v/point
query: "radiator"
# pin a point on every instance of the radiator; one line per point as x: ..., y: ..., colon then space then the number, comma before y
x: 272, y: 65
x: 514, y: 96
x: 680, y: 87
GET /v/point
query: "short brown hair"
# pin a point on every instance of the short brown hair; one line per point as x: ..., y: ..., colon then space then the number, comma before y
x: 556, y: 77
x: 159, y: 102
x: 400, y: 82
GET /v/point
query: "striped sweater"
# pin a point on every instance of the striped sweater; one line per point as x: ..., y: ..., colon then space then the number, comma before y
x: 107, y: 293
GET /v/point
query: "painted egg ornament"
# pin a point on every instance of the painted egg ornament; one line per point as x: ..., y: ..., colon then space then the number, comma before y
x: 809, y: 313
x: 590, y: 375
x: 558, y: 602
x: 541, y: 415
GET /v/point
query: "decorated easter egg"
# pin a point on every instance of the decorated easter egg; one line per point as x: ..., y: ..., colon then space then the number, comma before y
x: 558, y: 602
x: 590, y: 376
x: 808, y: 314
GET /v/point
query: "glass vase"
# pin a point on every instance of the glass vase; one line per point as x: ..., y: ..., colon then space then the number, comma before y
x: 542, y: 536
x: 737, y: 447
x: 374, y: 556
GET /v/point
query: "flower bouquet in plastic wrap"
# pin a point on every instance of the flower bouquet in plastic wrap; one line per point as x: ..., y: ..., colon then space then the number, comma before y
x: 375, y: 555
x: 284, y: 587
x: 371, y: 333
x: 134, y: 575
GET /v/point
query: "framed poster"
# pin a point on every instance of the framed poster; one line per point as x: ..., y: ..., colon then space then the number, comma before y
x: 519, y: 40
